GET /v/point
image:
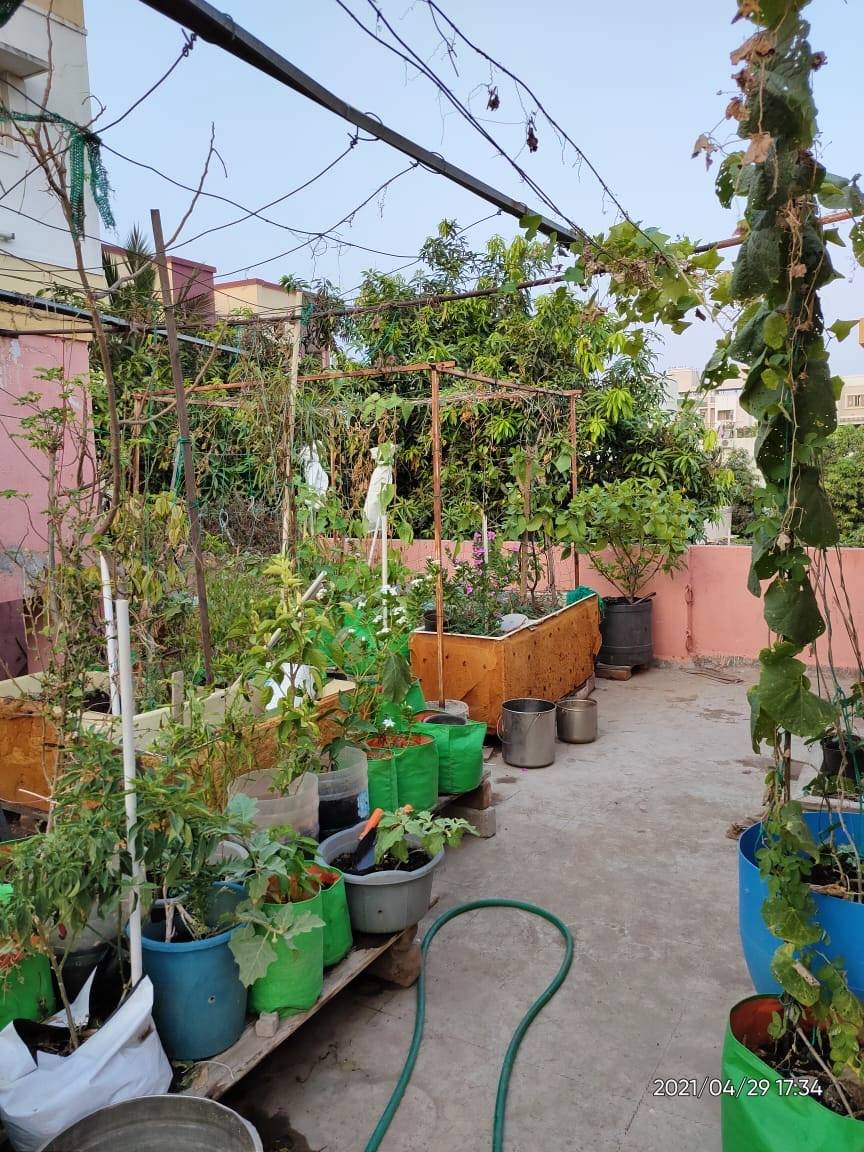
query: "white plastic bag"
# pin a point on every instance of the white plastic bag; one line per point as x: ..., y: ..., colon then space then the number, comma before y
x: 125, y: 1059
x: 313, y: 474
x: 382, y: 476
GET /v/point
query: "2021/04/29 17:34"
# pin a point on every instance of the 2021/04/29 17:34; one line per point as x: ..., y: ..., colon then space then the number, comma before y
x: 747, y: 1086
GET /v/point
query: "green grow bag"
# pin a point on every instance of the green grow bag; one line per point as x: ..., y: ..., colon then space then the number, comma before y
x: 337, y: 925
x: 381, y: 782
x: 26, y: 991
x: 416, y: 772
x: 460, y: 753
x: 756, y: 1120
x: 294, y: 980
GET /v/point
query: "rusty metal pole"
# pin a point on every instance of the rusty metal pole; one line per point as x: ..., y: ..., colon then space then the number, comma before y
x: 185, y: 440
x: 574, y: 479
x: 439, y: 544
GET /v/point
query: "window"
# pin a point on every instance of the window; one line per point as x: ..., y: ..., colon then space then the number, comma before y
x: 8, y: 134
x: 724, y: 415
x: 855, y: 400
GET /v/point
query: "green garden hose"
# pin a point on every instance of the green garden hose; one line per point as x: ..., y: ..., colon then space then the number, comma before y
x: 512, y: 1048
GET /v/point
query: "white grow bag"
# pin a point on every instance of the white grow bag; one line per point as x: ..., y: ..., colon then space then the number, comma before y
x: 124, y: 1059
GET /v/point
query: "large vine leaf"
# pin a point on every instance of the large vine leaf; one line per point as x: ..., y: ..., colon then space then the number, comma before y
x: 785, y: 695
x: 793, y: 977
x: 792, y: 612
x: 814, y: 521
x: 253, y: 953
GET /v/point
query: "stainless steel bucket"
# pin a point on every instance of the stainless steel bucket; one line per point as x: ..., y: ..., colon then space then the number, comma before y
x: 527, y: 732
x: 154, y: 1123
x: 577, y: 720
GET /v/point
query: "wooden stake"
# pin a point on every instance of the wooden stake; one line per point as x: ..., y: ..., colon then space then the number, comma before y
x: 186, y: 440
x: 526, y: 511
x: 178, y: 688
x: 439, y: 546
x: 574, y: 479
x: 289, y: 511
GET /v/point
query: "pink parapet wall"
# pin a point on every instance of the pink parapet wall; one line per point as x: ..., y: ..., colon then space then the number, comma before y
x: 704, y: 609
x: 23, y: 468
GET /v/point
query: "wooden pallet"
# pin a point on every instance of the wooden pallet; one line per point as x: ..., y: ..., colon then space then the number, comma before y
x: 395, y: 958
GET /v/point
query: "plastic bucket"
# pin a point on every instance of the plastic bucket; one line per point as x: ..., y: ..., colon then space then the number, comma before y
x: 842, y: 920
x: 527, y: 732
x: 382, y: 901
x: 577, y: 721
x: 343, y: 792
x: 298, y: 807
x: 294, y: 980
x: 199, y: 1004
x: 152, y: 1123
x: 626, y: 632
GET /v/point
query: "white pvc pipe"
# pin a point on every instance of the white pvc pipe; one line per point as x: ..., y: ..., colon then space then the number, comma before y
x: 485, y: 529
x: 127, y: 702
x: 110, y: 635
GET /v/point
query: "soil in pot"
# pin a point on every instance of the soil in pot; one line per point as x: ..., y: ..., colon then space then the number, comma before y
x: 838, y: 872
x: 416, y: 859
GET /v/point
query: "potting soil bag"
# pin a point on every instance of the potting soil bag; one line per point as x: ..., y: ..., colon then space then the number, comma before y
x: 460, y: 754
x: 294, y: 980
x: 124, y: 1059
x: 337, y: 925
x: 381, y: 776
x: 417, y: 774
x: 754, y: 1120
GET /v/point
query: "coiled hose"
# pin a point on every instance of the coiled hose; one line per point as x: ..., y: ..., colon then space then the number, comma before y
x: 513, y: 1047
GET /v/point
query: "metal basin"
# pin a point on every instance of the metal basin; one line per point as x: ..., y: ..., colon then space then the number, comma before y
x: 577, y: 721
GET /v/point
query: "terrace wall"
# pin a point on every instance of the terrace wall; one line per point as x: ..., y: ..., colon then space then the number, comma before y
x: 705, y: 610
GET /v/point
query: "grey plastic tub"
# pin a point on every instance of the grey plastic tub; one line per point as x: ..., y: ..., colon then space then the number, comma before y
x: 154, y: 1123
x: 382, y: 901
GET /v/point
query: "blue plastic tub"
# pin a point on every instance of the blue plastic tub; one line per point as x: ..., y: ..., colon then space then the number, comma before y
x: 842, y: 920
x: 199, y: 1004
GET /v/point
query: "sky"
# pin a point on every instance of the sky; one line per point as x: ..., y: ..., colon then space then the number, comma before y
x: 633, y: 83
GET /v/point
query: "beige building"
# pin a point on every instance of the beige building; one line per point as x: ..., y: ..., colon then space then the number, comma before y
x: 255, y: 296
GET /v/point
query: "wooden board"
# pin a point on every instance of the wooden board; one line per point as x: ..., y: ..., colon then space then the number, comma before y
x: 28, y: 753
x: 545, y: 658
x: 213, y: 1078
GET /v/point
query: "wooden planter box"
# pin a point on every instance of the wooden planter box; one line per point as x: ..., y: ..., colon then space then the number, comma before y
x: 545, y: 658
x: 28, y: 736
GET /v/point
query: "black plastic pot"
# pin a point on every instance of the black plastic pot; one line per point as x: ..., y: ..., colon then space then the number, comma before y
x: 430, y: 620
x: 833, y: 758
x: 625, y: 631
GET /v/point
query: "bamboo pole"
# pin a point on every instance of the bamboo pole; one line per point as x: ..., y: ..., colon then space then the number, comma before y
x: 289, y: 512
x: 127, y: 720
x: 186, y: 440
x: 439, y: 544
x: 526, y: 512
x: 574, y: 480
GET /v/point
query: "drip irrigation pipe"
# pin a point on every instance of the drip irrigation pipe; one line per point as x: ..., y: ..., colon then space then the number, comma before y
x: 513, y: 1047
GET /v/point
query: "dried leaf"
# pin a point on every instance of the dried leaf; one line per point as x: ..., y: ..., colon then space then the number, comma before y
x: 759, y: 150
x: 818, y: 60
x: 494, y: 101
x: 796, y: 271
x: 735, y: 109
x: 746, y: 8
x: 704, y: 144
x: 531, y: 136
x: 759, y: 44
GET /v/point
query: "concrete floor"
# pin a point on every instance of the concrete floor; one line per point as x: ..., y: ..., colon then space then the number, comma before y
x: 625, y: 840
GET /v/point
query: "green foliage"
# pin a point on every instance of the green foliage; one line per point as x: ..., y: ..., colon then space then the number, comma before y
x: 400, y: 831
x: 843, y: 479
x: 631, y: 529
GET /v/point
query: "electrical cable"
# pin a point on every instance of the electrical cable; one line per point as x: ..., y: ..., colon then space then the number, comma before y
x: 380, y: 1131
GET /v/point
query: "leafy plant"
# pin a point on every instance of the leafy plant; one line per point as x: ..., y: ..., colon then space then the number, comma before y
x: 631, y: 529
x: 431, y: 833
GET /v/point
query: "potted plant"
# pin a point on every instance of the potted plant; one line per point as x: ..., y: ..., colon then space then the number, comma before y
x: 377, y: 715
x: 279, y: 944
x: 632, y: 529
x: 409, y: 846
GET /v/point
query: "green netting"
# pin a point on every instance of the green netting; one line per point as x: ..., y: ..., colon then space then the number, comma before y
x: 80, y: 141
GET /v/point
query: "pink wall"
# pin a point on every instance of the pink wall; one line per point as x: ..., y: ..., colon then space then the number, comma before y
x: 23, y: 533
x: 705, y: 610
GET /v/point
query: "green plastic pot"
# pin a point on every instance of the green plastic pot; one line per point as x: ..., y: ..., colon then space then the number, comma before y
x: 26, y: 991
x: 754, y: 1119
x: 294, y: 980
x: 416, y: 772
x: 460, y: 753
x: 337, y: 923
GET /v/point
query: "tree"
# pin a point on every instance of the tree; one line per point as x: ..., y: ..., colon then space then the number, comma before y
x: 742, y: 494
x: 843, y: 479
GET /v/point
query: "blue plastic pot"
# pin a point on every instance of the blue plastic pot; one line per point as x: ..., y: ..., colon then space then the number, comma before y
x: 199, y: 1004
x: 842, y: 920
